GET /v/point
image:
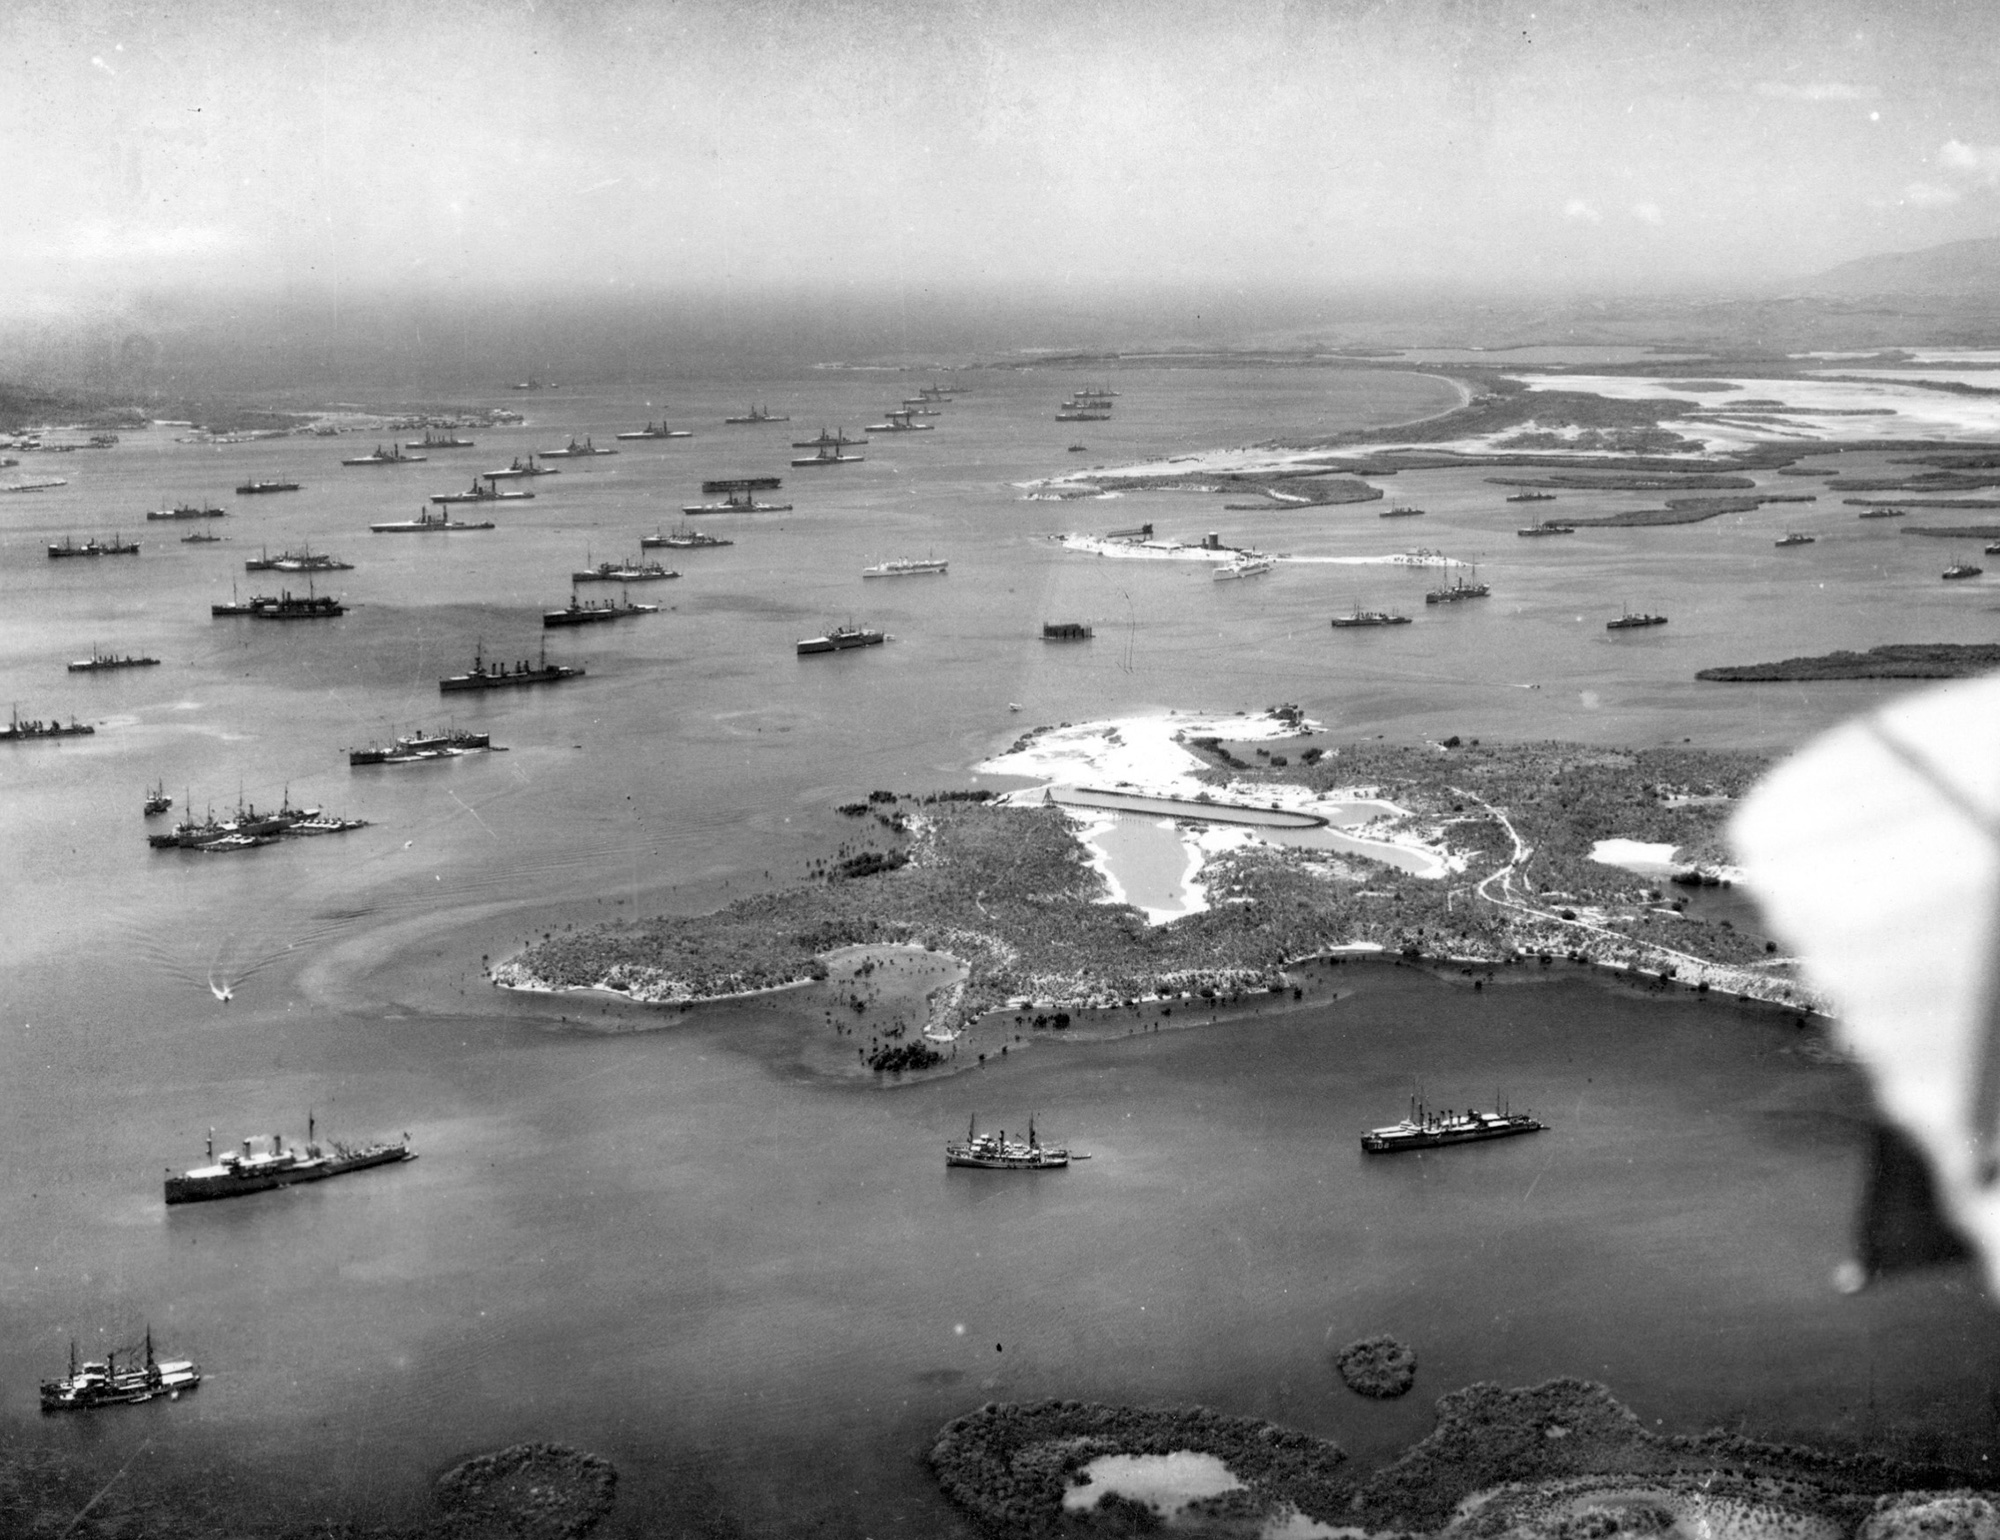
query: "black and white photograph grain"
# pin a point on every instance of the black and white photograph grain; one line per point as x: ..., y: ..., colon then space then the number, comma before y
x: 999, y: 770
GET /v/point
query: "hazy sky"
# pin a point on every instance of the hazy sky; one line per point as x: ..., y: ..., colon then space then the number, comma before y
x: 455, y: 142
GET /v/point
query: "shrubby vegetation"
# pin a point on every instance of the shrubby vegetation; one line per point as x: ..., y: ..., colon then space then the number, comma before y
x: 1378, y: 1366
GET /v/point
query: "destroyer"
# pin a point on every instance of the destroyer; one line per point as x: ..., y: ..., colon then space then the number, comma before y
x: 996, y: 1152
x: 22, y: 730
x: 840, y: 638
x: 98, y: 662
x: 1426, y: 1130
x: 93, y: 1384
x: 593, y: 612
x: 249, y: 1170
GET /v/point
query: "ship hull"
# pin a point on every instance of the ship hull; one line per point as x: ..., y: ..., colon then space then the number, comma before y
x: 508, y: 681
x: 1392, y: 1141
x: 193, y: 1189
x: 1046, y: 1160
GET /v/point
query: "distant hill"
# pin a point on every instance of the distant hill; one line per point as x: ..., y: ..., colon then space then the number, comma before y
x: 1958, y: 267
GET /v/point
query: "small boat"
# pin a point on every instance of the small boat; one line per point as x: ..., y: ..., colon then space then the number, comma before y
x: 1079, y: 449
x: 1400, y: 513
x: 757, y: 414
x: 93, y: 547
x: 90, y: 1385
x: 1880, y: 513
x: 488, y: 493
x: 682, y: 539
x: 1547, y: 527
x: 1961, y: 569
x: 392, y: 455
x: 841, y: 638
x: 1065, y: 631
x: 1631, y: 622
x: 24, y: 730
x: 1361, y: 617
x: 1793, y: 538
x: 591, y: 612
x: 521, y: 467
x: 157, y: 800
x: 97, y: 662
x: 446, y: 440
x: 996, y: 1152
x: 495, y: 676
x: 660, y: 430
x: 426, y: 523
x: 252, y: 487
x: 188, y: 511
x: 1426, y: 1130
x: 1532, y: 497
x: 623, y: 572
x: 575, y: 451
x: 1247, y: 564
x: 929, y: 566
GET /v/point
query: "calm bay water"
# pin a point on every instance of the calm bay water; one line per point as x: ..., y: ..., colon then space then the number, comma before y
x: 745, y: 1286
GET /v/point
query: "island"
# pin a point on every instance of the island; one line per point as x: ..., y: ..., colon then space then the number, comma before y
x: 1897, y: 660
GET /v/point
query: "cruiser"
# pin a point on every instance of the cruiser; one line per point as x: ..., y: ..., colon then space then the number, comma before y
x: 623, y: 572
x: 1361, y: 617
x: 448, y: 744
x: 446, y: 440
x: 393, y: 455
x: 19, y: 731
x: 840, y: 638
x: 996, y: 1152
x: 495, y: 676
x: 1547, y: 527
x: 187, y: 511
x: 1631, y: 622
x: 97, y: 662
x: 93, y: 547
x: 1532, y: 497
x: 682, y: 539
x: 426, y: 523
x: 253, y: 486
x: 249, y: 1170
x: 591, y: 612
x: 757, y: 414
x: 1794, y: 538
x: 1426, y: 1130
x: 575, y: 451
x: 660, y: 431
x: 482, y: 494
x: 739, y: 496
x: 91, y: 1385
x: 906, y: 567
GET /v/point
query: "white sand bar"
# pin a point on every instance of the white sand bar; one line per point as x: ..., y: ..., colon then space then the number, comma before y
x: 1636, y: 856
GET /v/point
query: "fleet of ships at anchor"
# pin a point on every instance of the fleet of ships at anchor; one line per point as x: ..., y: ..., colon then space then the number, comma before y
x: 250, y: 829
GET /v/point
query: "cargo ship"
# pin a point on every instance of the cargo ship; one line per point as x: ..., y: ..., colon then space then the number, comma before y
x: 623, y: 572
x: 90, y: 1385
x: 1426, y: 1130
x: 252, y: 487
x: 1456, y: 590
x: 248, y: 1170
x: 188, y: 511
x: 682, y: 539
x: 840, y: 638
x: 93, y: 547
x: 1362, y: 617
x: 496, y: 676
x: 996, y: 1152
x: 1631, y: 622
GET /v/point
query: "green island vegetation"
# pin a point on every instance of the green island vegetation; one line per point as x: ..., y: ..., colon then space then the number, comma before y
x: 1008, y: 891
x: 533, y: 1491
x: 1897, y: 660
x: 1698, y: 385
x: 1562, y: 1459
x: 1379, y: 1367
x: 1679, y: 510
x: 1007, y: 1466
x: 1584, y: 481
x: 1954, y: 531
